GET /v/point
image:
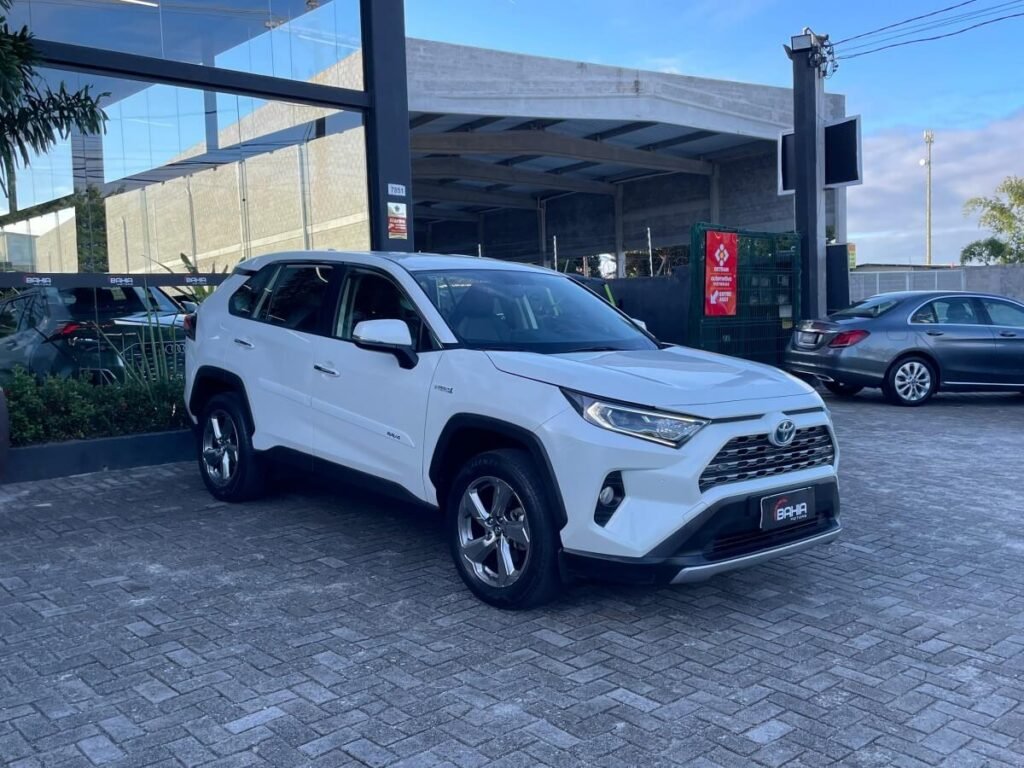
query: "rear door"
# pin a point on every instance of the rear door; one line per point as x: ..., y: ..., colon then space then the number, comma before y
x: 1007, y: 319
x: 269, y: 333
x: 956, y: 333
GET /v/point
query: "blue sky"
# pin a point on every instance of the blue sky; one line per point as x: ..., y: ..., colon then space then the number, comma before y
x: 968, y: 89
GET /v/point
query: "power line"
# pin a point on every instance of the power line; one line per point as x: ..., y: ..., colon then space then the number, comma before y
x: 949, y: 21
x: 906, y: 21
x: 934, y: 37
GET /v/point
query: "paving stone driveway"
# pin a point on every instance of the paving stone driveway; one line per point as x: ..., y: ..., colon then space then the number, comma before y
x: 143, y: 624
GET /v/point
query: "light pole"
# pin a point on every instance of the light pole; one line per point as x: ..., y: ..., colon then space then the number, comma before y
x: 926, y: 162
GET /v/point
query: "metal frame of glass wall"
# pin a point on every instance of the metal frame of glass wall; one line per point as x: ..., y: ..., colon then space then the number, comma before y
x: 383, y: 104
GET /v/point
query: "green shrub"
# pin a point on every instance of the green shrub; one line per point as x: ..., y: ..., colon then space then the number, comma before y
x: 55, y: 409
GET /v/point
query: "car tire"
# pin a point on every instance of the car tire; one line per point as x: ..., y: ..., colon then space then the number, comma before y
x: 511, y: 561
x: 231, y: 469
x: 911, y: 381
x: 840, y: 389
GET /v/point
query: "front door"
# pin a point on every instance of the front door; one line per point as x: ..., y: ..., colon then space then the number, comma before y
x: 18, y: 336
x: 371, y: 412
x: 1007, y: 318
x: 954, y: 331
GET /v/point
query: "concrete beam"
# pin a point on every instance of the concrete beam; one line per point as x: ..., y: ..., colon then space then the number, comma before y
x: 553, y: 145
x: 450, y: 193
x: 472, y: 170
x: 444, y: 214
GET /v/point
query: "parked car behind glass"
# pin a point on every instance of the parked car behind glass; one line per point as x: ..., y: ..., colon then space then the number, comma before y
x: 913, y: 344
x: 89, y: 332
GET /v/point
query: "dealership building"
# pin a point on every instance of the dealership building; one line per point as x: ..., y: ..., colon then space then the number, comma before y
x: 235, y: 130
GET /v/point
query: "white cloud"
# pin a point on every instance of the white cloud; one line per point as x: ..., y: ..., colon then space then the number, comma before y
x: 886, y: 215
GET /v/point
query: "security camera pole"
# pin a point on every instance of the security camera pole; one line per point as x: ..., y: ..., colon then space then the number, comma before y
x: 807, y: 53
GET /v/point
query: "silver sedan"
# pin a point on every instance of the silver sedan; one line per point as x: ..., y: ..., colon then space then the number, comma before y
x: 913, y: 344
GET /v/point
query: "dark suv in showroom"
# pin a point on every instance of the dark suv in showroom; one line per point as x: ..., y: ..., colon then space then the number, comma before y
x: 94, y: 333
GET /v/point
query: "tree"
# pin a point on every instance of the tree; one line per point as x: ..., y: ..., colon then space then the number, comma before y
x: 33, y: 118
x: 991, y: 250
x: 1003, y: 214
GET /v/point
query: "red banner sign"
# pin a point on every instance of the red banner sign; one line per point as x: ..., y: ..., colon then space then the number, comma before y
x: 720, y: 266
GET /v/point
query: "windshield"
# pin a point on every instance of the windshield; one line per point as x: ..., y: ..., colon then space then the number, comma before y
x: 528, y: 312
x: 873, y: 307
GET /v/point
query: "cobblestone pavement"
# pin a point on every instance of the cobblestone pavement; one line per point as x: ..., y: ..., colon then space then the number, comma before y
x: 143, y: 624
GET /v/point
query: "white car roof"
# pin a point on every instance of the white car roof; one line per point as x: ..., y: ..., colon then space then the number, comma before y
x: 413, y: 262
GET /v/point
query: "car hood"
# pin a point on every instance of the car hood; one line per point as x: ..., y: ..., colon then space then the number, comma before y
x: 664, y: 378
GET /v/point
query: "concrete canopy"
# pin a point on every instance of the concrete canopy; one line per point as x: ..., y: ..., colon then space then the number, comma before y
x: 530, y: 129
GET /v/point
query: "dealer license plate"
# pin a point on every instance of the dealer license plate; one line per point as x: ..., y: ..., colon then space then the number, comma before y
x: 788, y: 508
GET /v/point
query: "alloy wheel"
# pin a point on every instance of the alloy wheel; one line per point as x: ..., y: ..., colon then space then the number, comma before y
x: 913, y: 381
x: 494, y: 534
x: 220, y: 447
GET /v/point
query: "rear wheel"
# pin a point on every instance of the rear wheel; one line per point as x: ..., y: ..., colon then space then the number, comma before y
x: 227, y: 461
x: 911, y: 381
x: 842, y: 390
x: 501, y: 531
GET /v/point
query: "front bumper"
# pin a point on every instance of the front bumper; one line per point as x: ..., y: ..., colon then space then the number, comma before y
x: 724, y: 537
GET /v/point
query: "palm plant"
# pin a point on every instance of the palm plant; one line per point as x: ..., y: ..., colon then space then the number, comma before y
x: 33, y: 118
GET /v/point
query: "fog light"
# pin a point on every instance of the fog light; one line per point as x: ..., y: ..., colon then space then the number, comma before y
x: 609, y: 498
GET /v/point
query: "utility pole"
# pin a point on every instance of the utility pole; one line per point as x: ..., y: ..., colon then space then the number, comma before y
x: 929, y: 139
x: 808, y: 52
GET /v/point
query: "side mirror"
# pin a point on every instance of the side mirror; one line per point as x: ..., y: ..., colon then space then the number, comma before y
x: 387, y: 336
x: 190, y: 307
x: 641, y: 323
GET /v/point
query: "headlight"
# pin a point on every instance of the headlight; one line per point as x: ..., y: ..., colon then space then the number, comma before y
x: 671, y: 429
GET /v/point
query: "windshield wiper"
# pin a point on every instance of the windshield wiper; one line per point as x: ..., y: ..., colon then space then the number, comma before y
x: 597, y: 349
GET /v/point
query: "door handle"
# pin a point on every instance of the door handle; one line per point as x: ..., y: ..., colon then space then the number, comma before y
x: 244, y: 343
x: 1008, y: 334
x: 935, y: 333
x: 325, y: 369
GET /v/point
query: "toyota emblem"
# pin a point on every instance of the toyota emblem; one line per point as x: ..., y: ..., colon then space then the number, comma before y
x: 783, y: 433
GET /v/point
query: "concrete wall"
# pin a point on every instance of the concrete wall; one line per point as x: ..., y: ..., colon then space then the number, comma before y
x: 1006, y: 280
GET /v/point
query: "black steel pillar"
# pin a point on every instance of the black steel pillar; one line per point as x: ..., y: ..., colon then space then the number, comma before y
x: 387, y: 125
x: 809, y: 161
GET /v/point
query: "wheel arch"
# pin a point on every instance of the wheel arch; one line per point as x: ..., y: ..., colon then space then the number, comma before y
x: 466, y: 435
x: 917, y: 352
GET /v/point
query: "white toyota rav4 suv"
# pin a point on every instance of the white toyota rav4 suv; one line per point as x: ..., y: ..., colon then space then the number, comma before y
x: 555, y: 433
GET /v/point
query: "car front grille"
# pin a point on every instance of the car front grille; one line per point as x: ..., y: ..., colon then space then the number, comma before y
x: 753, y: 456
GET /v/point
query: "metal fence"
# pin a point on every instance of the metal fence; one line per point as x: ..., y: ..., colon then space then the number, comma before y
x: 768, y: 296
x: 865, y: 284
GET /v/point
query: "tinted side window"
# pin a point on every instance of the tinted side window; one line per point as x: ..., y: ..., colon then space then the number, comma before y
x: 369, y: 296
x: 297, y: 297
x: 251, y: 294
x: 955, y: 310
x: 1004, y: 313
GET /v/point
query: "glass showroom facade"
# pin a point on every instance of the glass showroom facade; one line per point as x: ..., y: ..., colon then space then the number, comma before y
x: 235, y: 128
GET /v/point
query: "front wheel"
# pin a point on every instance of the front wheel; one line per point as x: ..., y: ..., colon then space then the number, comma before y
x: 842, y: 390
x: 911, y: 381
x: 501, y: 531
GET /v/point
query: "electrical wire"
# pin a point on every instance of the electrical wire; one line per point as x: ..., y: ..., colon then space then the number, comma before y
x: 905, y: 21
x: 933, y: 25
x: 934, y: 37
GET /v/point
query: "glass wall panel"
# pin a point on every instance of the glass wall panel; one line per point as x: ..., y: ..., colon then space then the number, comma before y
x: 310, y: 40
x: 185, y: 177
